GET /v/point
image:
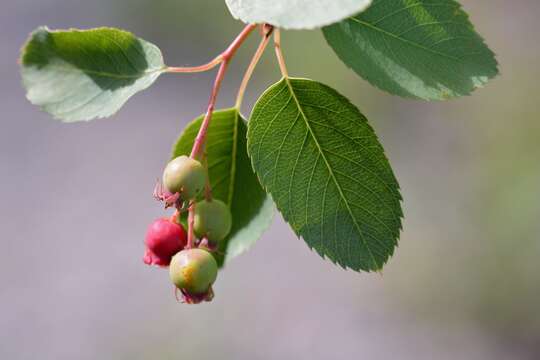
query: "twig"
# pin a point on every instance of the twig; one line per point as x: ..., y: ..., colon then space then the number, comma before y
x: 226, y: 57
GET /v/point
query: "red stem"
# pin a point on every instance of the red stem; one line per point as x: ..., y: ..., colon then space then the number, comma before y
x: 226, y: 57
x: 224, y: 60
x: 195, y: 69
x: 229, y: 52
x: 199, y: 140
x: 174, y: 217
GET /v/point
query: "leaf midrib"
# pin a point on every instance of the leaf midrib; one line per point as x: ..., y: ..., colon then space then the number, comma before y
x: 399, y: 38
x: 330, y: 171
x: 408, y: 7
x: 104, y: 74
x: 233, y: 160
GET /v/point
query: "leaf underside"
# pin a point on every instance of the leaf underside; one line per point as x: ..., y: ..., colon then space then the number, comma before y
x: 324, y: 167
x: 80, y: 75
x: 232, y: 179
x: 295, y: 14
x: 424, y: 49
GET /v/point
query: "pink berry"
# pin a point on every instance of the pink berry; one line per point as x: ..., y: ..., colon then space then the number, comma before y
x: 164, y: 239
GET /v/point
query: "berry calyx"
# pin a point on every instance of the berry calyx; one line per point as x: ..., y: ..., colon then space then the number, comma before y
x: 164, y: 239
x: 185, y: 176
x: 212, y: 220
x: 193, y: 271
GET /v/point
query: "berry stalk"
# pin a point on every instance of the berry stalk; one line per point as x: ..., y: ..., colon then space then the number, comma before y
x: 225, y: 57
x: 201, y: 135
x: 224, y: 60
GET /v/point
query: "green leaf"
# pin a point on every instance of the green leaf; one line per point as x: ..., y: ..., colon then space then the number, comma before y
x: 324, y: 167
x: 83, y: 74
x: 232, y: 179
x: 425, y: 49
x: 295, y: 14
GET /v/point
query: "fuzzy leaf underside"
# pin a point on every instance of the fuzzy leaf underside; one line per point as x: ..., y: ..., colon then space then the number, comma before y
x: 232, y: 179
x: 424, y: 49
x: 295, y: 14
x: 318, y: 157
x: 78, y: 75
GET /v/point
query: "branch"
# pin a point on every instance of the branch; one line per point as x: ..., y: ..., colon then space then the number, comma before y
x: 226, y: 56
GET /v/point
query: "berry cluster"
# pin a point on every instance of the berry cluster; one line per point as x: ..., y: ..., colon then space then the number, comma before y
x: 192, y: 267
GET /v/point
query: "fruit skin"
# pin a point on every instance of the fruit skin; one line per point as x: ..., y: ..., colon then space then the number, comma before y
x: 185, y: 176
x: 212, y: 220
x: 164, y: 239
x: 193, y: 271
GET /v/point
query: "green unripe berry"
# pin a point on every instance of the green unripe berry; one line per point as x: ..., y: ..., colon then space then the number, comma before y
x: 185, y: 176
x: 212, y: 220
x: 193, y: 270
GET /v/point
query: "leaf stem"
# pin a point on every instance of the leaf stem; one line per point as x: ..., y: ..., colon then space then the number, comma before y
x: 195, y: 69
x: 266, y: 33
x: 279, y: 54
x: 225, y: 56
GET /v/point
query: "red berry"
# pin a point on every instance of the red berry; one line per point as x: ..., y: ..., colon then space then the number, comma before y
x: 164, y: 239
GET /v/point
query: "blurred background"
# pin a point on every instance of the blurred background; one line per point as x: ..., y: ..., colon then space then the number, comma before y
x: 76, y: 201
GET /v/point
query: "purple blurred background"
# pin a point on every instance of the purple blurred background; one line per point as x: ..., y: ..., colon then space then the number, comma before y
x: 76, y: 201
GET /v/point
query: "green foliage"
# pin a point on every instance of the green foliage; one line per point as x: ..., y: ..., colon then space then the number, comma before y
x: 321, y: 161
x: 425, y: 49
x: 312, y: 150
x: 296, y: 14
x: 232, y: 179
x: 83, y: 74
